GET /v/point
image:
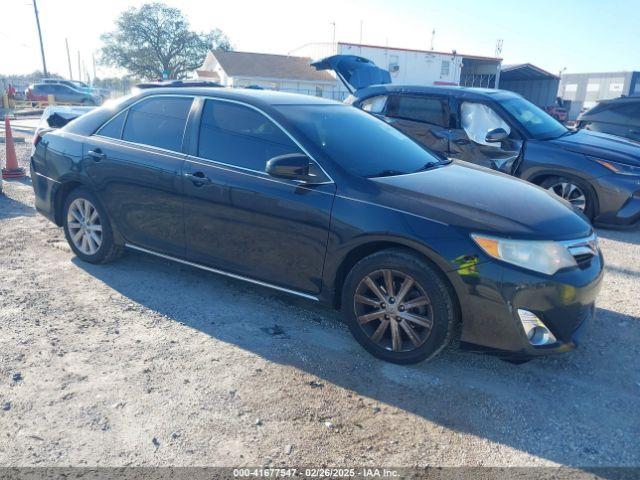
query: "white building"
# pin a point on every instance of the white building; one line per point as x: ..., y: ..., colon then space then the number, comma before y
x: 274, y: 72
x: 416, y: 67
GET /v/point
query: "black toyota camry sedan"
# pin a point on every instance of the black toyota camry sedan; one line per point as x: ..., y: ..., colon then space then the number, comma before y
x: 599, y: 174
x: 324, y: 201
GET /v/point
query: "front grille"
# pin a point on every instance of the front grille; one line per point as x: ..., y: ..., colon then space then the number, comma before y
x: 583, y: 249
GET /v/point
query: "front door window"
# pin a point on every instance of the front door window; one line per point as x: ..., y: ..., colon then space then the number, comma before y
x: 478, y: 119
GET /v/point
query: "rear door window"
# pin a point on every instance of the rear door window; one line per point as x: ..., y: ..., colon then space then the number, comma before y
x: 113, y: 128
x: 240, y: 136
x: 158, y: 122
x: 419, y: 108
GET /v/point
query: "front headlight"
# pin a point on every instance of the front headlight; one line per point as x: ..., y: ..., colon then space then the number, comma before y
x: 619, y: 168
x: 540, y: 256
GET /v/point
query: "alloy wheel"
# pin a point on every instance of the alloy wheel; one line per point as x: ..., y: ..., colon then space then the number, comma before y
x: 393, y: 310
x: 570, y: 192
x: 85, y: 228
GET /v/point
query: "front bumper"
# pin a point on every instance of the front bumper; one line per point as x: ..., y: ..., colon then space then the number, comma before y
x: 619, y: 200
x: 565, y: 302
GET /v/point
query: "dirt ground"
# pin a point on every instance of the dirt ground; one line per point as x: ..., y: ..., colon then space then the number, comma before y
x: 146, y: 362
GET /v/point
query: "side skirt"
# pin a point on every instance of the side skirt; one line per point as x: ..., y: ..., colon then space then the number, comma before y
x: 222, y: 272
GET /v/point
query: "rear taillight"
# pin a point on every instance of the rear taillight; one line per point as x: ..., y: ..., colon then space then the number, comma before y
x: 37, y: 137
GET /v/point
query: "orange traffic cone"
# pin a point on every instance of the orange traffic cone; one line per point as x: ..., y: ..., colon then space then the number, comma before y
x: 12, y: 169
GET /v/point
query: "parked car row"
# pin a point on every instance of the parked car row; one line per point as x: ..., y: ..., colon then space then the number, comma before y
x: 330, y: 203
x: 64, y: 91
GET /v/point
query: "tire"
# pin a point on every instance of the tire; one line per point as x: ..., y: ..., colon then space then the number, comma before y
x: 92, y: 251
x: 554, y: 184
x: 440, y: 311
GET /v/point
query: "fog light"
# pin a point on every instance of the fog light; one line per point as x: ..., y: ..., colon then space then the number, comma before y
x: 536, y: 331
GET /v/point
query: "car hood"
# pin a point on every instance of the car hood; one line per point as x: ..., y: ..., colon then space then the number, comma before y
x: 475, y: 198
x: 354, y: 72
x: 600, y: 145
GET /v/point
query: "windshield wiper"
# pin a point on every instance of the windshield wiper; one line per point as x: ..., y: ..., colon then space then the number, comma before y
x: 386, y: 173
x: 430, y: 165
x: 568, y: 132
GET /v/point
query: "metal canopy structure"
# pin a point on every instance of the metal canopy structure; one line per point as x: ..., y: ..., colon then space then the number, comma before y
x: 533, y: 83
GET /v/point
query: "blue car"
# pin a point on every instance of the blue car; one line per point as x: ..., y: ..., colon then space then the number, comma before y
x: 598, y: 174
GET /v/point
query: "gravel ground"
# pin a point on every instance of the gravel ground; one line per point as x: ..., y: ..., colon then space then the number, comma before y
x: 146, y: 362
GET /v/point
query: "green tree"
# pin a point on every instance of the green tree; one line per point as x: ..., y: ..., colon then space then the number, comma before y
x: 156, y: 38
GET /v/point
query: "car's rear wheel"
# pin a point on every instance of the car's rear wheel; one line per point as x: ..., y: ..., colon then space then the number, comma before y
x: 87, y: 228
x: 578, y: 193
x: 398, y: 307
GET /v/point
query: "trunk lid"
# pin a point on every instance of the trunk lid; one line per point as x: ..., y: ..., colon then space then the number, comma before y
x: 354, y: 72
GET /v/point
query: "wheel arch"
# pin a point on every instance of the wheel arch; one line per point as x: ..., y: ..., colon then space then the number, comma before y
x: 543, y: 175
x: 64, y: 189
x: 368, y: 246
x: 69, y: 184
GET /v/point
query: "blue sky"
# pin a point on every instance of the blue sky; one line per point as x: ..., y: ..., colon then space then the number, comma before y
x: 582, y: 36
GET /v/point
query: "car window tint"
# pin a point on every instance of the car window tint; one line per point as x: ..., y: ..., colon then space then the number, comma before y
x: 240, y: 136
x: 158, y: 122
x: 113, y: 128
x: 374, y: 104
x: 477, y: 119
x: 419, y: 108
x: 359, y: 142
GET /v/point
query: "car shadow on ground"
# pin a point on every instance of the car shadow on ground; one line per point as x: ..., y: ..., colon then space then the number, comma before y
x: 10, y: 208
x: 572, y: 409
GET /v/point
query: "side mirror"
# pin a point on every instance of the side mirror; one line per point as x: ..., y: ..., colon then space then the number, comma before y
x: 496, y: 135
x: 292, y: 166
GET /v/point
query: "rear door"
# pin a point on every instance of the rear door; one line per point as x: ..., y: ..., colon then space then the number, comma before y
x: 240, y: 219
x: 135, y: 162
x: 473, y: 120
x: 425, y: 118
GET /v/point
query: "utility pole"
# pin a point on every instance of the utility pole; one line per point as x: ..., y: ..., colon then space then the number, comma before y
x: 333, y: 43
x: 66, y: 42
x: 44, y: 62
x: 79, y: 67
x: 433, y: 34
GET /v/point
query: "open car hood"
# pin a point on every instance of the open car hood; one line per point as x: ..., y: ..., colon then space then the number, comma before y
x: 355, y: 72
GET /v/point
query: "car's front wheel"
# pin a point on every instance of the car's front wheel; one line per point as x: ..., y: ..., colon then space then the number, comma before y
x: 399, y: 307
x: 577, y: 192
x: 87, y: 228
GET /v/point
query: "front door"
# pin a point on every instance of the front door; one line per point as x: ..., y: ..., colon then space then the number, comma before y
x: 468, y: 139
x: 243, y: 221
x: 135, y: 162
x: 425, y: 118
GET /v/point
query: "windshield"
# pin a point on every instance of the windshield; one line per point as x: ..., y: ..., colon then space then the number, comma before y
x: 359, y: 142
x: 535, y: 121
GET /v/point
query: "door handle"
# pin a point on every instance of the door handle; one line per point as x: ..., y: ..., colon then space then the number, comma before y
x: 198, y: 178
x: 97, y: 154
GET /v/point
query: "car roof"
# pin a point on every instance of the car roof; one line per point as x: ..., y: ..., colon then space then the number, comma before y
x: 247, y: 95
x: 454, y: 90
